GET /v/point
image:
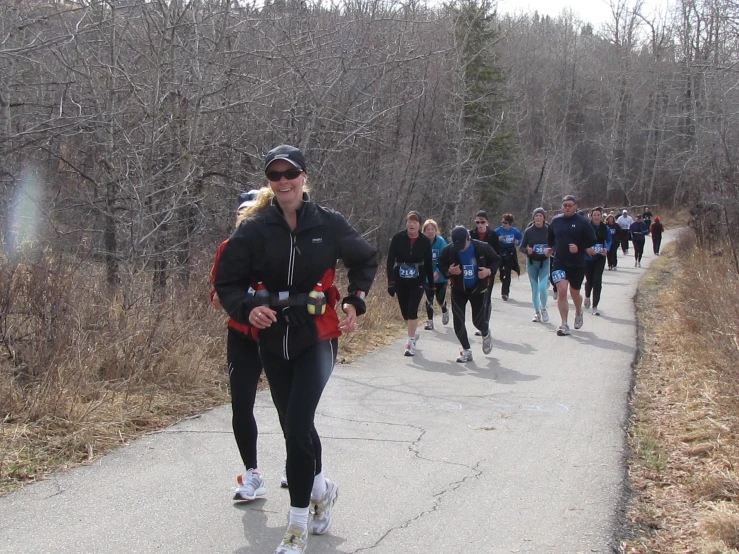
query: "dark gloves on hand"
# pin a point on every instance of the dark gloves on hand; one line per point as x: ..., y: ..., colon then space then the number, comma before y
x: 391, y: 289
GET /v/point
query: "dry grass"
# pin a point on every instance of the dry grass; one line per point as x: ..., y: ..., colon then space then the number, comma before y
x: 685, y: 407
x: 83, y: 372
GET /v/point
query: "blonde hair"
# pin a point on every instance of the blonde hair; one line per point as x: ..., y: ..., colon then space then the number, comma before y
x: 263, y: 201
x: 430, y: 222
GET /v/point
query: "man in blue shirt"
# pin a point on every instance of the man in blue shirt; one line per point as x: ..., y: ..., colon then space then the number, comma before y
x: 571, y: 236
x: 509, y: 238
x: 470, y: 266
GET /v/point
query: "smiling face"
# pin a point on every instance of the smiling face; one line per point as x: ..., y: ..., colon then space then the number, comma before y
x: 430, y: 232
x: 596, y: 217
x: 288, y: 192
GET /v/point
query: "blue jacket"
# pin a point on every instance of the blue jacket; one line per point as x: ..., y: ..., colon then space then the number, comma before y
x: 436, y: 247
x: 639, y: 231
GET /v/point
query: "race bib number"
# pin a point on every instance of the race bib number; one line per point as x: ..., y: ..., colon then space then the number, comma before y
x: 539, y: 248
x: 508, y: 239
x: 407, y: 271
x: 612, y: 230
x: 598, y: 248
x: 558, y: 275
x: 435, y: 254
x: 468, y: 271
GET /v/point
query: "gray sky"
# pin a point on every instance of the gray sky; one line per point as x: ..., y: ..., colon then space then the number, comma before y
x: 593, y: 11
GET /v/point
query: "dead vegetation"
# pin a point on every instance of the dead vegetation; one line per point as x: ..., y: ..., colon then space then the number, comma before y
x: 684, y: 431
x: 82, y: 372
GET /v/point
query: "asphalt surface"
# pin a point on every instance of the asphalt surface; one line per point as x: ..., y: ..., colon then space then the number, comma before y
x: 518, y: 451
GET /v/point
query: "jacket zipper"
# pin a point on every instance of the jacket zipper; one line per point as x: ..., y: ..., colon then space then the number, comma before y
x: 290, y: 271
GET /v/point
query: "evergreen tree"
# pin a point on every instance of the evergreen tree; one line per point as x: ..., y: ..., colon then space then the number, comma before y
x: 489, y: 144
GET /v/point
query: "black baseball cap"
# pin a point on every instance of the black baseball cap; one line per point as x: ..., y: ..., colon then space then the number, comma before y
x: 287, y: 153
x: 459, y: 237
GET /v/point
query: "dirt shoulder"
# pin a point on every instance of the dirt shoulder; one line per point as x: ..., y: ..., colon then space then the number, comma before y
x: 682, y: 434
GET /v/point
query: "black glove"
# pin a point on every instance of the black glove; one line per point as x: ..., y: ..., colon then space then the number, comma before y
x: 391, y: 289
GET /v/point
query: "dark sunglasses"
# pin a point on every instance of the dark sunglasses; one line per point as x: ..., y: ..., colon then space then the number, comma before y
x: 287, y: 174
x: 480, y: 222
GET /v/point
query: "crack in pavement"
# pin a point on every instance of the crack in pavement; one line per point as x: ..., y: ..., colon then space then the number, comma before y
x: 439, y: 497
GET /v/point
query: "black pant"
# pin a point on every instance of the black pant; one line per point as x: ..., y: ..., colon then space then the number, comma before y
x: 624, y: 241
x: 613, y: 256
x: 244, y: 369
x: 440, y: 299
x: 656, y: 242
x: 507, y: 261
x: 296, y: 386
x: 638, y: 249
x: 480, y: 303
x: 594, y: 278
x: 409, y: 293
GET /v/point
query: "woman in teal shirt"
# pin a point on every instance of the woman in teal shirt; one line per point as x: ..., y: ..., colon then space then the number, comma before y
x: 431, y: 230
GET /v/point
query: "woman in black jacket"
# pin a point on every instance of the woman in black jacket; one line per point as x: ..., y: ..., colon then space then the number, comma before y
x: 410, y: 270
x: 289, y: 247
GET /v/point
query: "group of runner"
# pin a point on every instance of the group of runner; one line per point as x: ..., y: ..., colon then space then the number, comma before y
x: 566, y: 252
x: 275, y: 278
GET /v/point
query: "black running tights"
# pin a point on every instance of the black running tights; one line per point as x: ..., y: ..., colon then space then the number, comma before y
x: 296, y: 386
x: 440, y: 299
x: 480, y: 314
x: 638, y: 249
x: 244, y: 369
x: 594, y: 278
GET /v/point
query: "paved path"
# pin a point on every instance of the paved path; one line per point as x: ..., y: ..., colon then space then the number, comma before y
x: 519, y: 451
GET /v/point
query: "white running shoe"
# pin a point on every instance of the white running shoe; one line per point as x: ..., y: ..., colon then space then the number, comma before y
x: 636, y: 264
x: 596, y: 311
x: 283, y: 479
x: 465, y: 355
x: 578, y: 321
x: 445, y: 317
x: 429, y: 325
x: 639, y: 264
x: 487, y: 343
x: 544, y: 315
x: 478, y: 334
x: 410, y: 347
x: 563, y: 330
x: 321, y: 522
x: 294, y: 541
x: 587, y: 303
x: 536, y: 318
x: 251, y: 485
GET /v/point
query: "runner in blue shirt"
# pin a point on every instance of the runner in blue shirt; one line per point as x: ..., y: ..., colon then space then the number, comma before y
x: 431, y: 230
x: 470, y: 266
x: 510, y: 238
